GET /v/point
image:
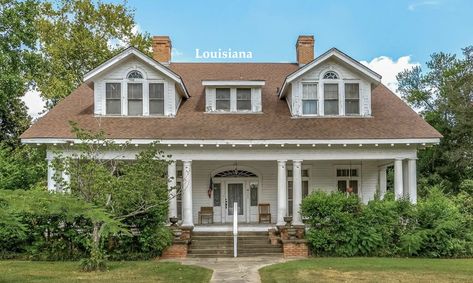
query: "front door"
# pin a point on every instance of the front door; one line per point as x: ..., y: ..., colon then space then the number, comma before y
x: 235, y: 194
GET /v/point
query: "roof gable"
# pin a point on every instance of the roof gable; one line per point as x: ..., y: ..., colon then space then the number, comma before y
x: 332, y: 53
x: 130, y: 51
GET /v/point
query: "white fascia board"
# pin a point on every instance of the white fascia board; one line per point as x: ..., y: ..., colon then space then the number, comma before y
x: 336, y: 53
x: 246, y: 142
x: 133, y: 51
x: 233, y: 83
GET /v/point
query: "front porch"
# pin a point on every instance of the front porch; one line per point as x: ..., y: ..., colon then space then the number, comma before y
x: 215, y: 184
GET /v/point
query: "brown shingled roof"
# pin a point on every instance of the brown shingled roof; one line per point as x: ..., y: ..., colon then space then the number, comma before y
x: 392, y: 118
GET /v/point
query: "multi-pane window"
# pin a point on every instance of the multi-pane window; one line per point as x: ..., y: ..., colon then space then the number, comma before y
x: 348, y: 180
x: 309, y: 98
x: 217, y: 194
x: 290, y: 186
x: 222, y: 99
x: 156, y: 99
x: 331, y: 99
x: 254, y: 194
x: 113, y: 98
x: 135, y: 99
x: 243, y: 99
x: 352, y: 99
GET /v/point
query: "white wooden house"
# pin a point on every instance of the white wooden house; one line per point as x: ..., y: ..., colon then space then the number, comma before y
x: 255, y: 132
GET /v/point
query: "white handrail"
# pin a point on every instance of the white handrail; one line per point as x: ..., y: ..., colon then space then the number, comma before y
x: 235, y: 229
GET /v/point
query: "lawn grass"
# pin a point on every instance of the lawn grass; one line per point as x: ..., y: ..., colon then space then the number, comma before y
x: 128, y: 271
x: 370, y: 270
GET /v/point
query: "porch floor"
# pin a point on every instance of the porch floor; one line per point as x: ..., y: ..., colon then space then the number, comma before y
x: 228, y: 227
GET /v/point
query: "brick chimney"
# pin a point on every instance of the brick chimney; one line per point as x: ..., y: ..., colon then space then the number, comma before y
x: 162, y: 49
x: 305, y: 49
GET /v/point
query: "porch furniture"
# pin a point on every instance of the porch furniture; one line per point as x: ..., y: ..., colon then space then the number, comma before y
x: 264, y: 212
x: 206, y: 212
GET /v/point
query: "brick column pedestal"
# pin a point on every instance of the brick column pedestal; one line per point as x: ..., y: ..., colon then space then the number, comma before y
x: 178, y: 249
x: 295, y: 248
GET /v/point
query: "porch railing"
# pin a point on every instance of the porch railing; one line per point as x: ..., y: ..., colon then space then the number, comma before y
x: 235, y: 229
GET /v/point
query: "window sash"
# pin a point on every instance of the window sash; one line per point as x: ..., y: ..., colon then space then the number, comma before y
x: 243, y: 98
x: 309, y: 107
x: 135, y: 99
x: 156, y: 98
x: 113, y: 98
x: 352, y: 99
x: 331, y: 99
x: 222, y: 99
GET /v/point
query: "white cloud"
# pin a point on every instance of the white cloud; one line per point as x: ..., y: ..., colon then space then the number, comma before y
x: 34, y: 103
x: 389, y: 68
x: 415, y: 5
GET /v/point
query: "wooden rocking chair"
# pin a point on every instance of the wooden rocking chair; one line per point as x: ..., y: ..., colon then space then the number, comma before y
x: 264, y: 212
x: 206, y: 212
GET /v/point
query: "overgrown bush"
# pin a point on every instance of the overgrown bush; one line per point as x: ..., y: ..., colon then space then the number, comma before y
x: 341, y: 225
x: 37, y: 225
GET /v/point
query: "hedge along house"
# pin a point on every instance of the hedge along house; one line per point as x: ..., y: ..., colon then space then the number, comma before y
x: 251, y: 133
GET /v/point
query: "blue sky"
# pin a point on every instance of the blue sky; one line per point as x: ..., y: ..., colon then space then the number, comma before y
x: 388, y: 36
x: 363, y: 29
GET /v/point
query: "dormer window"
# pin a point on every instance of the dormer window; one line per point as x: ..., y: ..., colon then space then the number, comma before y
x: 309, y: 99
x: 222, y: 99
x: 233, y: 96
x: 243, y: 99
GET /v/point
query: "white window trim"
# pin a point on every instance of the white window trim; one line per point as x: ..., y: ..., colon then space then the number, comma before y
x: 146, y: 106
x: 124, y: 95
x: 360, y: 98
x: 301, y: 87
x: 233, y: 100
x: 341, y: 92
x: 341, y: 95
x: 358, y: 178
x: 104, y: 97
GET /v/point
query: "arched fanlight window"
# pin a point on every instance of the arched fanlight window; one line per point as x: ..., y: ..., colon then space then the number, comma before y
x: 330, y: 75
x: 135, y: 75
x: 235, y: 173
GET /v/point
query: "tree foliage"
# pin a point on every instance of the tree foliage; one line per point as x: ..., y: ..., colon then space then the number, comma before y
x: 18, y: 63
x: 22, y: 167
x: 77, y: 36
x: 444, y: 95
x: 128, y: 190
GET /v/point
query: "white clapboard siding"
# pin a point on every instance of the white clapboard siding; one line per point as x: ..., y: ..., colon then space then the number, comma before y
x: 119, y: 72
x: 322, y: 178
x: 347, y: 75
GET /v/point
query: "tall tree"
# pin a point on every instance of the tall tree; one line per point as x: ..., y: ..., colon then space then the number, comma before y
x: 444, y: 94
x: 77, y: 36
x: 17, y: 61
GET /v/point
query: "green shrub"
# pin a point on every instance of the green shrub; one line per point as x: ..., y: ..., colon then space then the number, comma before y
x: 341, y: 225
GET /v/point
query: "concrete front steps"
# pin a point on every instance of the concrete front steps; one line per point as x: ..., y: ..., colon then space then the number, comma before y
x: 220, y: 244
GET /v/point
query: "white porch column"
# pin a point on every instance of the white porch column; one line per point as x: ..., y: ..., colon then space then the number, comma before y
x: 297, y: 191
x: 411, y: 164
x: 282, y: 192
x: 187, y: 218
x: 51, y: 182
x: 398, y: 182
x: 172, y: 193
x: 382, y: 182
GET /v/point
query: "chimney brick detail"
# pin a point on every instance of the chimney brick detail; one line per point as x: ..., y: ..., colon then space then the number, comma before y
x: 305, y: 49
x: 162, y: 49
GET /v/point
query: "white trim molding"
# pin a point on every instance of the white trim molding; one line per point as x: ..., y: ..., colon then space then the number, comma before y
x: 333, y: 52
x: 233, y: 83
x: 88, y: 78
